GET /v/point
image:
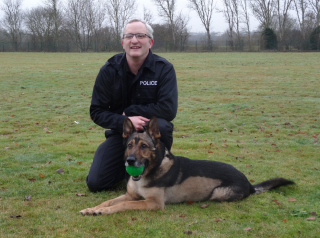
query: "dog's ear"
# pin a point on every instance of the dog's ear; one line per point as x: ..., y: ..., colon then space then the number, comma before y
x: 128, y: 128
x: 153, y: 128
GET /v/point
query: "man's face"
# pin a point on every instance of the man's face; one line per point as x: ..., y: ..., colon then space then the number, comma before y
x: 136, y: 48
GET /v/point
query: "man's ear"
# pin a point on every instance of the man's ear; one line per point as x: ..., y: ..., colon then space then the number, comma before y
x: 153, y: 128
x: 151, y: 43
x: 128, y: 128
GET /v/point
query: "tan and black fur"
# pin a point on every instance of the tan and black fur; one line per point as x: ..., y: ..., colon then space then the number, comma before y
x: 174, y: 179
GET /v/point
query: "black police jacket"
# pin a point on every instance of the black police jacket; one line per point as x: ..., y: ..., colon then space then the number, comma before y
x: 153, y: 92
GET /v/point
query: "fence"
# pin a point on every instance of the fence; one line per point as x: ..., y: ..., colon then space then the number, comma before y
x: 162, y: 46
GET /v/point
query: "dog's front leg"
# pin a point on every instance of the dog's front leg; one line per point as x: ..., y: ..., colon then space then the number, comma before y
x: 111, y: 202
x: 148, y: 204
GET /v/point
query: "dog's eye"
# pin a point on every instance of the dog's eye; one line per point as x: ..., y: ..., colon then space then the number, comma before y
x: 129, y: 146
x: 143, y: 146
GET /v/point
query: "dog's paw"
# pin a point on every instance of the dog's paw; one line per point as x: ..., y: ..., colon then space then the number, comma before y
x: 91, y: 211
x: 88, y: 211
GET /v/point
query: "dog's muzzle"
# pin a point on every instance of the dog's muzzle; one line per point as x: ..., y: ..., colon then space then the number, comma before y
x: 132, y: 161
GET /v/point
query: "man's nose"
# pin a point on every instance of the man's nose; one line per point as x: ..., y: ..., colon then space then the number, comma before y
x: 134, y: 39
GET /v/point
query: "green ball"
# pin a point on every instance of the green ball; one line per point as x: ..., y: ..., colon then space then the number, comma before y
x: 134, y: 171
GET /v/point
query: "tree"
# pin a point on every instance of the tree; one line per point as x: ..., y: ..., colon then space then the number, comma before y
x: 53, y: 8
x: 100, y: 14
x: 237, y: 19
x: 167, y: 10
x: 12, y: 21
x: 161, y: 36
x: 119, y: 12
x: 301, y: 7
x: 84, y: 23
x: 232, y: 16
x: 282, y: 8
x: 244, y: 4
x: 74, y: 22
x: 229, y: 16
x: 181, y: 32
x: 147, y: 15
x: 39, y: 24
x: 269, y: 38
x: 315, y: 39
x: 204, y: 10
x: 264, y: 11
x: 315, y: 6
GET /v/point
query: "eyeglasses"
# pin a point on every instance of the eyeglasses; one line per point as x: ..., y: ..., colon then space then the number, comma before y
x: 139, y: 36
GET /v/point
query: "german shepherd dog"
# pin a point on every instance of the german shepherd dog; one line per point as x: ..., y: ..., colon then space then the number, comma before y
x: 173, y: 179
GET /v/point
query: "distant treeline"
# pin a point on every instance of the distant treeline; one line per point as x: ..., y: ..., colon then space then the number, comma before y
x: 96, y: 25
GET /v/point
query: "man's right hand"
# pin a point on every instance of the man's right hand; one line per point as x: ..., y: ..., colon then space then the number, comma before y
x: 139, y: 122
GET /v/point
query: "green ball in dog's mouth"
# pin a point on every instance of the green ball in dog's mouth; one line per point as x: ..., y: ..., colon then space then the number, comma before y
x: 134, y: 171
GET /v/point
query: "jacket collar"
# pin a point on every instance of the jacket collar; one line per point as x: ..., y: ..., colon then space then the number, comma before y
x: 118, y: 61
x: 149, y: 62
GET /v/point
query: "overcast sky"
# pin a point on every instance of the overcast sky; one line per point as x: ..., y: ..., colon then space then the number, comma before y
x: 195, y: 25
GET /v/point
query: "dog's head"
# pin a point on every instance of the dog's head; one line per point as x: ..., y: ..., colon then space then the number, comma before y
x: 141, y: 147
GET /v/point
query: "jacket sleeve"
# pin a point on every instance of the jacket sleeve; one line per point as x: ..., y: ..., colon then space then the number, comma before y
x: 101, y: 102
x: 167, y: 98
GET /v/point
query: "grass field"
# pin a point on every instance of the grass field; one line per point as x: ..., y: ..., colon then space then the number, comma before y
x: 257, y: 111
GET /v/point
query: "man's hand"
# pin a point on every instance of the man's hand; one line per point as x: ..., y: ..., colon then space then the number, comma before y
x: 138, y: 122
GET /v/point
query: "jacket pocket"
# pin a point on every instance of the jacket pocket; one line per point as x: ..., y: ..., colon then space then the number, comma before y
x: 146, y: 95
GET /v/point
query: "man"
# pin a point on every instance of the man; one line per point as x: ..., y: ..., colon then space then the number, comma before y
x: 136, y: 84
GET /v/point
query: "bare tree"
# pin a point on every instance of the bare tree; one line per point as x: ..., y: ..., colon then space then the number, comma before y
x: 12, y: 21
x: 244, y: 4
x: 167, y: 10
x: 264, y: 11
x: 119, y: 12
x: 100, y: 13
x: 182, y: 34
x: 282, y: 8
x: 301, y: 7
x: 204, y: 10
x: 231, y: 14
x: 147, y: 15
x: 315, y: 6
x: 83, y: 21
x: 237, y: 19
x: 74, y: 22
x: 54, y: 9
x: 88, y: 18
x: 39, y: 24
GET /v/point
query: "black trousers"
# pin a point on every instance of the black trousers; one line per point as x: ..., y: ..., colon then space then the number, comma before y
x: 108, y: 167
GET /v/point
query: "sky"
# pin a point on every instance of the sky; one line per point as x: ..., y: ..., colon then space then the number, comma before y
x: 219, y: 23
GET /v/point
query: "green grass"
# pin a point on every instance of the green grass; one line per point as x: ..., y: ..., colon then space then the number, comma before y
x: 257, y: 111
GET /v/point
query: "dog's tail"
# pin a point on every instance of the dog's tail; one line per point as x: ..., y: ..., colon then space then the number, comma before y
x: 271, y: 184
